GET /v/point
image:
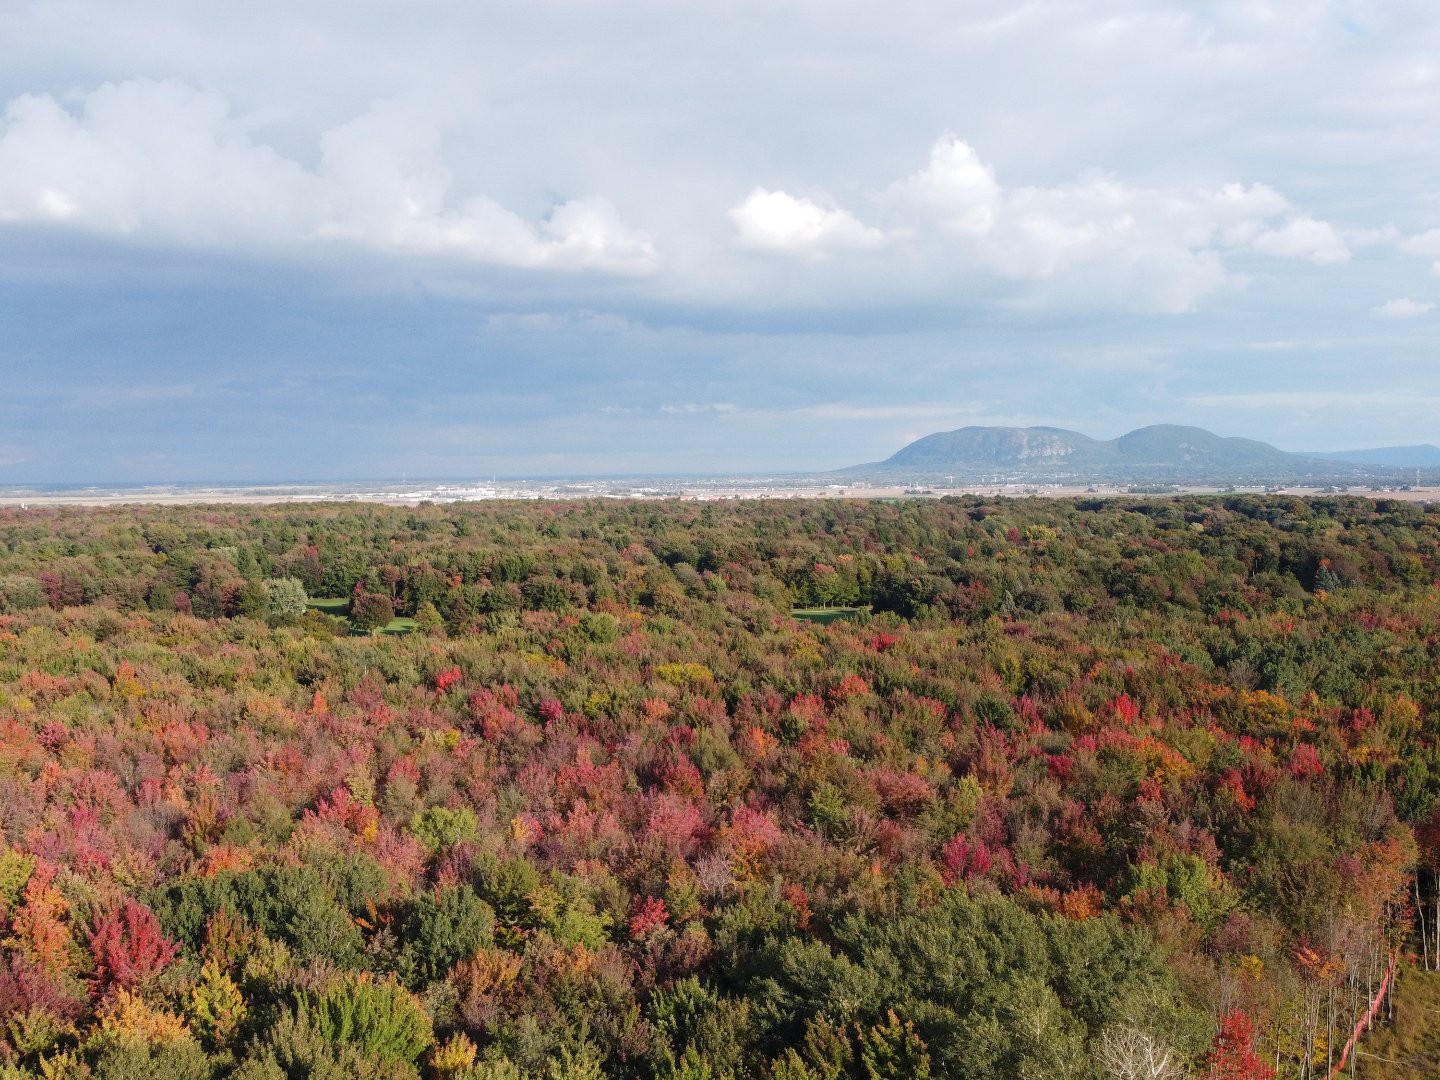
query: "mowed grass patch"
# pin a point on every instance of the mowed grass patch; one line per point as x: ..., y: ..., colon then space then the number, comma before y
x: 827, y: 614
x: 1409, y: 1047
x: 338, y: 607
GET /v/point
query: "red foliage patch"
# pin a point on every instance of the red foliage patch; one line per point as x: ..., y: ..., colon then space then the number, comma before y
x: 128, y: 947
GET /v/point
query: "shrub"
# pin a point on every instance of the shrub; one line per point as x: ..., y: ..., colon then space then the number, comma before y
x: 127, y: 1017
x: 441, y: 929
x: 284, y: 601
x: 370, y: 611
x: 691, y: 1019
x: 891, y: 1050
x: 34, y: 1032
x: 15, y: 871
x: 20, y: 592
x: 379, y: 1018
x: 439, y: 827
x: 180, y: 1059
x: 291, y: 904
x: 27, y: 988
x: 294, y: 1049
x: 453, y: 1058
x: 217, y: 1008
x: 128, y: 947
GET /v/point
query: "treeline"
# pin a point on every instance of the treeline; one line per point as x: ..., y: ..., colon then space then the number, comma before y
x: 958, y: 558
x: 1083, y: 786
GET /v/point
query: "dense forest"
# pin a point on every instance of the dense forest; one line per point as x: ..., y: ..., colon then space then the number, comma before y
x: 539, y: 791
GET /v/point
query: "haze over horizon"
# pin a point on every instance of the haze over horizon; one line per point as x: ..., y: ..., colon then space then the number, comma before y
x: 359, y: 240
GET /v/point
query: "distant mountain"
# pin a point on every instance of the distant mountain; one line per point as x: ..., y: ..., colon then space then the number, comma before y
x: 1163, y: 453
x: 1424, y: 456
x: 1174, y: 446
x: 1001, y: 447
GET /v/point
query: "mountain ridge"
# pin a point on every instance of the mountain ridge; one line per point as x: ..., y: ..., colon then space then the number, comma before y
x: 1169, y: 453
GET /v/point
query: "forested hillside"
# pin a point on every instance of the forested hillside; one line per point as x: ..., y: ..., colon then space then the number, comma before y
x: 1107, y: 789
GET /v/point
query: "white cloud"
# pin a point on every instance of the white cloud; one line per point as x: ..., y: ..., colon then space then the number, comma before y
x: 1401, y: 308
x: 589, y: 232
x: 1117, y: 243
x: 691, y: 408
x: 550, y: 322
x: 166, y: 162
x: 845, y: 411
x: 956, y: 186
x: 776, y: 221
x: 1097, y: 241
x: 153, y: 158
x: 1426, y: 244
x: 1346, y: 400
x: 1048, y: 231
x: 1234, y: 215
x: 1304, y: 238
x: 1384, y: 234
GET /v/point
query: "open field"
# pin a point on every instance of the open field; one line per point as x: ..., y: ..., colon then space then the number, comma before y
x: 338, y: 607
x: 826, y: 615
x: 1410, y: 1047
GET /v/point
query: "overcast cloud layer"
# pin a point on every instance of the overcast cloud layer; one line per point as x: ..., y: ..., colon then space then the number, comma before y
x: 369, y: 239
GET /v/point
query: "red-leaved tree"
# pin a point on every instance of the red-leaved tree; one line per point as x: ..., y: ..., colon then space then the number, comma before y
x: 128, y: 947
x: 1232, y: 1054
x: 650, y: 915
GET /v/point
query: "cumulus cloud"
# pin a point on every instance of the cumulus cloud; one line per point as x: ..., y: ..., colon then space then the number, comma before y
x: 1384, y: 234
x: 152, y: 157
x: 1402, y: 307
x: 1097, y: 237
x: 1038, y: 232
x: 168, y: 162
x: 776, y: 221
x: 1304, y: 238
x: 956, y: 186
x: 1426, y: 245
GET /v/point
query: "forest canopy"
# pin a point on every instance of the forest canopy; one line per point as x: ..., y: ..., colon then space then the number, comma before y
x: 554, y: 790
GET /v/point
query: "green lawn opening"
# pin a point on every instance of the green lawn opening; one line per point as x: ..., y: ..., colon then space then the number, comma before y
x: 825, y: 615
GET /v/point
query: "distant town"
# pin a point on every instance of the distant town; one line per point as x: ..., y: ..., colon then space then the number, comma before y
x: 717, y: 488
x: 1163, y: 459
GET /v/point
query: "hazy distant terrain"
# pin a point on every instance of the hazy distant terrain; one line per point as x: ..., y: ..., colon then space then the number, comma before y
x: 1424, y: 456
x: 1162, y: 453
x: 991, y: 460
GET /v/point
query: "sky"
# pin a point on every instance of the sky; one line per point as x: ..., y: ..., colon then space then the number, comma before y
x: 271, y: 241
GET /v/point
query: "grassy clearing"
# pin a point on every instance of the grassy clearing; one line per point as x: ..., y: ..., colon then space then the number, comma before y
x: 823, y: 615
x: 338, y: 607
x: 1410, y: 1047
